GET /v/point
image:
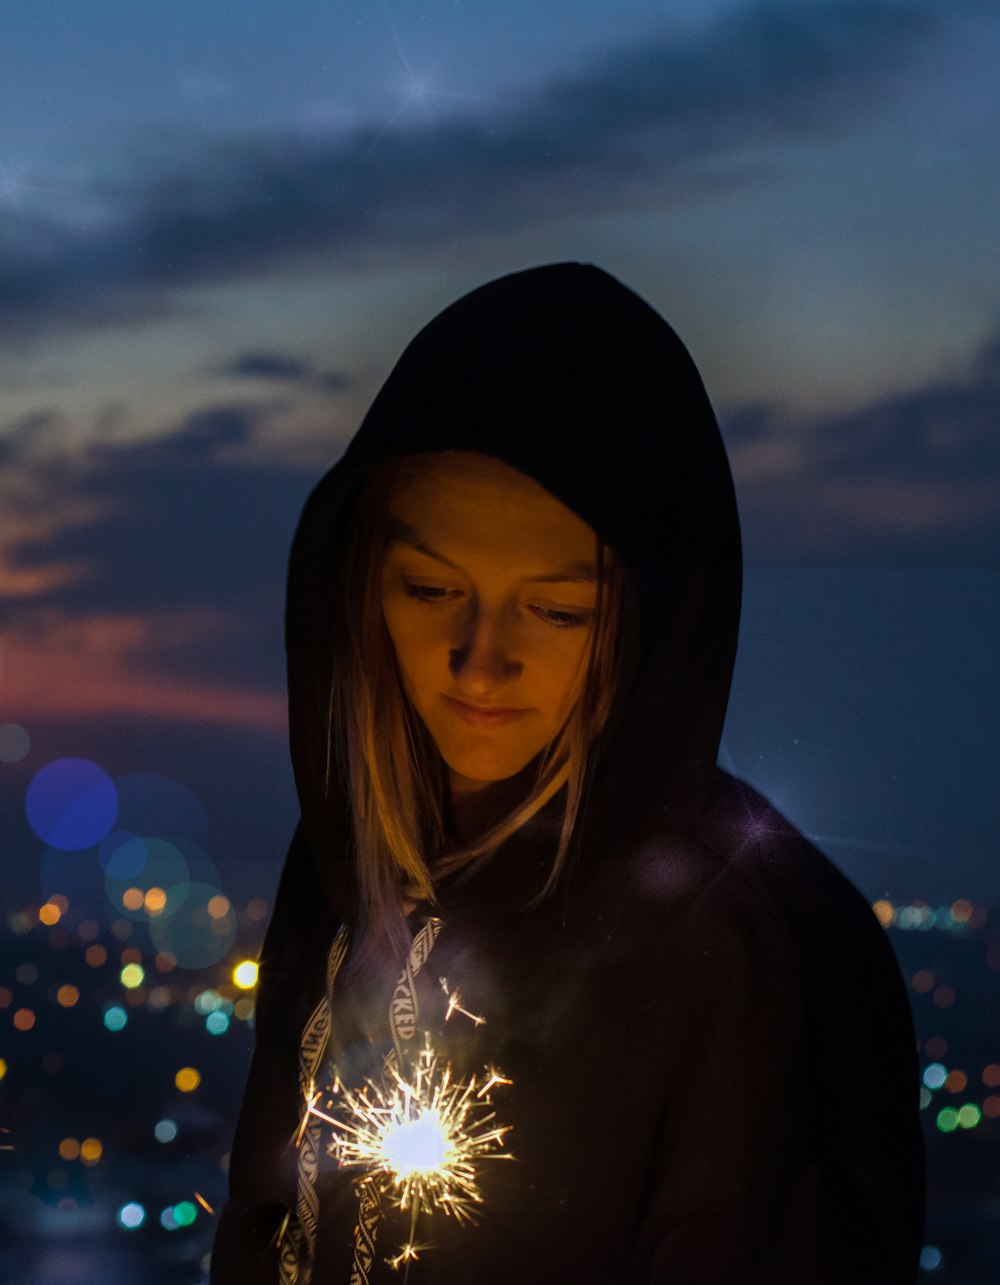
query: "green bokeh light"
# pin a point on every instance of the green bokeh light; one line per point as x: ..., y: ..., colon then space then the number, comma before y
x: 185, y: 1213
x: 947, y: 1120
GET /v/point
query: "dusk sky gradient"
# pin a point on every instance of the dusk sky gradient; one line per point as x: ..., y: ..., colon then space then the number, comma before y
x: 221, y: 221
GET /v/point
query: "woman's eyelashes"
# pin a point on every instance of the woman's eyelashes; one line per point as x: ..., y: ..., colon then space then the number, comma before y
x: 558, y: 617
x: 427, y: 592
x: 562, y: 619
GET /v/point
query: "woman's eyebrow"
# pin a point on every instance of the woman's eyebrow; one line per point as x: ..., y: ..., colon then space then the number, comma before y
x: 574, y: 572
x: 401, y: 532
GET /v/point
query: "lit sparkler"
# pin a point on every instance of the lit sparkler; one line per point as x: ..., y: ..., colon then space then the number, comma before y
x: 419, y: 1138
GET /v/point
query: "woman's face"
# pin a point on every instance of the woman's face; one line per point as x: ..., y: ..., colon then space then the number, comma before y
x: 489, y: 586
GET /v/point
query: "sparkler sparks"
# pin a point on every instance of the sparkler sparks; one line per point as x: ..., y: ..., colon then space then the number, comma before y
x: 455, y: 1005
x: 408, y: 1253
x: 204, y: 1203
x: 419, y: 1138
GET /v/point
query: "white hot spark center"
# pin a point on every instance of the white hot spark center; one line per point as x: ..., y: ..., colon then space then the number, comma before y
x: 417, y: 1146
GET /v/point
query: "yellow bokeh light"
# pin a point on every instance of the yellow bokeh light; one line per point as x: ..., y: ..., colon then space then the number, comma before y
x: 67, y: 995
x: 885, y: 911
x: 155, y: 901
x: 49, y: 914
x: 132, y: 975
x: 69, y: 1148
x: 91, y: 1150
x: 132, y: 898
x: 218, y: 906
x: 187, y: 1079
x: 3, y: 1068
x: 245, y: 975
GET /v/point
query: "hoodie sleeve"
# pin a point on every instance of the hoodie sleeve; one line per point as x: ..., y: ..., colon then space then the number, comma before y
x: 262, y: 1163
x: 791, y: 1150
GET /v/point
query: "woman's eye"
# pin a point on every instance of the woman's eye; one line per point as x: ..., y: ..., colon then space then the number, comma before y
x: 563, y: 619
x: 426, y: 592
x: 557, y: 617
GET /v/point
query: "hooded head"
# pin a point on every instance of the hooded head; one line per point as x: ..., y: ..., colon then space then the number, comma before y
x: 564, y: 375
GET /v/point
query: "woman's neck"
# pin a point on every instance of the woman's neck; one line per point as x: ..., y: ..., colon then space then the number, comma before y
x: 476, y: 806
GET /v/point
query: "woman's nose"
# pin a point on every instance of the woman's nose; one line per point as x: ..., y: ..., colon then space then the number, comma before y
x: 483, y: 661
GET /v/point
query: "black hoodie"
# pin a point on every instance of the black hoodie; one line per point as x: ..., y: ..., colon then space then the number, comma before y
x: 713, y: 1064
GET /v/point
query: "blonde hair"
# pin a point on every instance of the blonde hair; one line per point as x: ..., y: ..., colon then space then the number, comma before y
x: 390, y: 767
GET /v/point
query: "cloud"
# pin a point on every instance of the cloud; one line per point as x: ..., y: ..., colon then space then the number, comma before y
x: 281, y: 368
x: 909, y: 480
x: 265, y: 365
x: 645, y: 120
x: 188, y: 526
x: 64, y: 669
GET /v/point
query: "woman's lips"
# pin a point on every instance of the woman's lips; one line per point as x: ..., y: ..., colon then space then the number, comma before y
x: 477, y: 716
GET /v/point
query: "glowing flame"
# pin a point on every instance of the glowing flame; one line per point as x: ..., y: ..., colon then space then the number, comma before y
x: 421, y: 1138
x: 418, y: 1146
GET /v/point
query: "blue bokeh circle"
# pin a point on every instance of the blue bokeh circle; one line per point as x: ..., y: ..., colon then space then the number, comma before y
x: 71, y: 804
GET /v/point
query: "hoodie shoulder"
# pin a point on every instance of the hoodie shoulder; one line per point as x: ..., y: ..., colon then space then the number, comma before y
x: 760, y: 848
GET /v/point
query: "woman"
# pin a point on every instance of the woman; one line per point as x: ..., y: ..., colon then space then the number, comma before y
x: 512, y: 618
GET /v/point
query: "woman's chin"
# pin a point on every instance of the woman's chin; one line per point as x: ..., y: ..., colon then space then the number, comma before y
x: 471, y: 772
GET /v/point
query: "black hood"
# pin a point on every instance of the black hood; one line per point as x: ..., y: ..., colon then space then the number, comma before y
x: 568, y: 376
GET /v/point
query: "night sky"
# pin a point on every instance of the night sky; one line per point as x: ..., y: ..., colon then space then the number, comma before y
x: 220, y: 221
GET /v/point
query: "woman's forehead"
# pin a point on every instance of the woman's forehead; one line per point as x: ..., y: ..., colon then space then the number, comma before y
x: 461, y: 499
x: 461, y: 470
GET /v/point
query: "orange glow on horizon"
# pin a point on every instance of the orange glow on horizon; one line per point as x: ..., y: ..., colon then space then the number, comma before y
x: 64, y: 671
